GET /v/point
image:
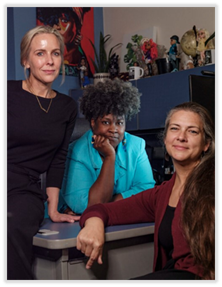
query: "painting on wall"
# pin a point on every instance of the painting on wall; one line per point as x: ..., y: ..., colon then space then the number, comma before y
x: 76, y: 25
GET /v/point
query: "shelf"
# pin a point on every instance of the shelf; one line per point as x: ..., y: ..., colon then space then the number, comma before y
x: 160, y: 93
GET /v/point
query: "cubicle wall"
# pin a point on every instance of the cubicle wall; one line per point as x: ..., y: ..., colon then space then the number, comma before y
x: 162, y: 92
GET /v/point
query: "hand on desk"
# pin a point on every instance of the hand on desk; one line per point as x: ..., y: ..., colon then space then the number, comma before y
x: 55, y: 216
x: 60, y: 217
x: 90, y: 240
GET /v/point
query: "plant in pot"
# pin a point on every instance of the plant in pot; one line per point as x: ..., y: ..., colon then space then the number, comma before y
x: 102, y: 62
x: 134, y: 52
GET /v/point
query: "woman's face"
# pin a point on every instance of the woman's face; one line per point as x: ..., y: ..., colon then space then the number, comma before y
x: 185, y: 138
x: 111, y: 127
x: 44, y: 58
x: 65, y: 27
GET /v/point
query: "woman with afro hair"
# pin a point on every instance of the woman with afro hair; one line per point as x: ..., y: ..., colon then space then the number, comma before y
x: 106, y: 163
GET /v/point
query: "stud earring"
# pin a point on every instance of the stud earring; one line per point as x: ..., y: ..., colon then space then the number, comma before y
x: 124, y: 144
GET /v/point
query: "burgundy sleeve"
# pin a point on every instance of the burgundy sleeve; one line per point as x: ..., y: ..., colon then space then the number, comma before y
x: 135, y: 209
x: 97, y: 210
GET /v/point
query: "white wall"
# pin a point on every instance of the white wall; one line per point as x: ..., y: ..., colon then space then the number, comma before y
x: 168, y: 21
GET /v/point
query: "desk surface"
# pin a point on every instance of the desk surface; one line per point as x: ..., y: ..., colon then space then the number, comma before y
x: 66, y: 238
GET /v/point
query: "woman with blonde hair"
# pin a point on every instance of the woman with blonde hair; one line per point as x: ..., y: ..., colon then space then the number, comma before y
x: 40, y: 124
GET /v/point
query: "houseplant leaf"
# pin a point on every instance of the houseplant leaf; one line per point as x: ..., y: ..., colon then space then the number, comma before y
x: 96, y: 66
x: 102, y: 61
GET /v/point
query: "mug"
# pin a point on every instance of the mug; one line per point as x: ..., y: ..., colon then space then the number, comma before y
x: 135, y: 73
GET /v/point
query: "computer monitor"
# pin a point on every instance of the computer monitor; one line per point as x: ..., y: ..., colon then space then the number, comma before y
x: 202, y: 91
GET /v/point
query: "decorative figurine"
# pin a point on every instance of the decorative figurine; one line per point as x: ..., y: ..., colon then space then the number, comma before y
x: 150, y: 52
x: 173, y: 53
x: 85, y: 79
x: 201, y: 38
x: 202, y: 35
x: 83, y: 68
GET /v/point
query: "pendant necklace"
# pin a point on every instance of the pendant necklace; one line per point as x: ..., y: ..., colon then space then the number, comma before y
x: 41, y: 107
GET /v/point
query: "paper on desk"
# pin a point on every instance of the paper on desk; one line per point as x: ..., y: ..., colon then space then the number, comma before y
x: 47, y: 232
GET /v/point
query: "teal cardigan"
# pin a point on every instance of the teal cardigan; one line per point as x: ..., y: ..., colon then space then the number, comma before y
x: 133, y: 172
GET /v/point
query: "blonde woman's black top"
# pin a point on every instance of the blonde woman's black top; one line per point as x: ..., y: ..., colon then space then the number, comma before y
x: 37, y: 141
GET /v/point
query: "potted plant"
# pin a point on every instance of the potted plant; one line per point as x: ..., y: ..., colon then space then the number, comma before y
x: 134, y: 52
x: 102, y: 62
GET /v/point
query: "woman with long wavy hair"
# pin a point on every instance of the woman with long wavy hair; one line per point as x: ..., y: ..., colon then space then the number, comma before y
x: 182, y: 208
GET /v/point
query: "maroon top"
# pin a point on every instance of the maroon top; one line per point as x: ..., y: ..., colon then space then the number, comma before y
x: 149, y: 206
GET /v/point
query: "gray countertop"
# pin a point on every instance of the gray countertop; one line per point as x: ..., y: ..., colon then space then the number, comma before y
x: 66, y: 238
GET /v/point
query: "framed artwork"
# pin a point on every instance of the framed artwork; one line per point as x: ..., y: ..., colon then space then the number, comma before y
x: 76, y: 25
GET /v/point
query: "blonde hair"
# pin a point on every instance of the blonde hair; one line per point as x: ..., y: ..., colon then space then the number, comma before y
x: 27, y: 40
x: 210, y: 44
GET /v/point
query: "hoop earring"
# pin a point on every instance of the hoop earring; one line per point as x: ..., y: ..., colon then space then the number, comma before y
x: 25, y: 73
x: 63, y: 74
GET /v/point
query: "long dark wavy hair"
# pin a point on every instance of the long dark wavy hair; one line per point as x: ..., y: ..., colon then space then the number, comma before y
x: 198, y: 216
x: 198, y: 199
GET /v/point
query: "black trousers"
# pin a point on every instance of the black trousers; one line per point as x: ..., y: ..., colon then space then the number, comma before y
x: 25, y: 214
x: 169, y: 273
